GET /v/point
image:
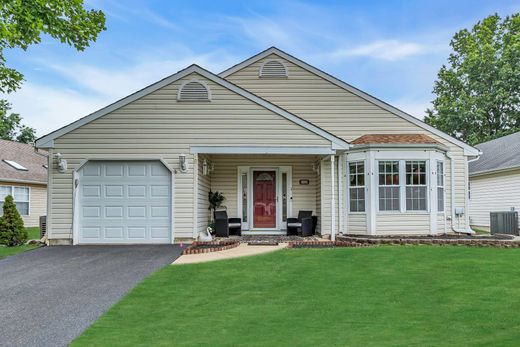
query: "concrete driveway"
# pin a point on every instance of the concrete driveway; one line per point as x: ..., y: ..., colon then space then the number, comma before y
x: 48, y: 296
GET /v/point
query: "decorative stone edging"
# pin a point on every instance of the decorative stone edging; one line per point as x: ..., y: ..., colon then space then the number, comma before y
x: 325, y: 244
x: 477, y: 242
x: 219, y: 246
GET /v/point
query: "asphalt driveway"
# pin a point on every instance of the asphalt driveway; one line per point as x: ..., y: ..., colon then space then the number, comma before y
x: 48, y: 296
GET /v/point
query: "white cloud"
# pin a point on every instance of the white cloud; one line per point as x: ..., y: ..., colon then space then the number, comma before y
x: 383, y: 49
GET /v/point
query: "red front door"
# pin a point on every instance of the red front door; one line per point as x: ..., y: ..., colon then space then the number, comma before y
x: 264, y: 199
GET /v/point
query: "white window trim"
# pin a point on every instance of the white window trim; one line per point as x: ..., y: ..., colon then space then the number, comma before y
x: 28, y: 201
x: 377, y: 186
x: 348, y: 187
x: 427, y: 186
x: 402, y: 186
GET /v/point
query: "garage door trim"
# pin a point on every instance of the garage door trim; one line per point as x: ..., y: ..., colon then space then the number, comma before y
x: 76, y: 195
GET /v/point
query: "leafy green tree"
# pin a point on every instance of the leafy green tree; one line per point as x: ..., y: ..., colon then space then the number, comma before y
x: 11, y: 127
x: 22, y: 23
x: 12, y: 230
x: 478, y: 91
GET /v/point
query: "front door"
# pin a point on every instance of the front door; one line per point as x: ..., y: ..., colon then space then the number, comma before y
x: 264, y: 199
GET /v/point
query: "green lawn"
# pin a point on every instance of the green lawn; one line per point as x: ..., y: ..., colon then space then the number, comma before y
x: 33, y: 232
x: 384, y: 296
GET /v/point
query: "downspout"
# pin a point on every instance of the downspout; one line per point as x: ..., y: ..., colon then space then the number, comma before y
x: 468, y: 229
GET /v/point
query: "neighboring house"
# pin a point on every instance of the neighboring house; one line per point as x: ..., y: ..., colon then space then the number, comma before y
x: 275, y: 135
x: 23, y: 174
x: 495, y: 179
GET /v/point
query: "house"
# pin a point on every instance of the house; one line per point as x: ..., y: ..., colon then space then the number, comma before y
x: 495, y: 179
x: 23, y: 174
x: 275, y: 135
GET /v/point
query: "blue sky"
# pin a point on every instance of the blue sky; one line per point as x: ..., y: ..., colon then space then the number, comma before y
x: 391, y: 49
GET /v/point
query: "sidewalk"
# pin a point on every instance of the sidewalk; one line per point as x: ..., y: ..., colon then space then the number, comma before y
x: 241, y: 251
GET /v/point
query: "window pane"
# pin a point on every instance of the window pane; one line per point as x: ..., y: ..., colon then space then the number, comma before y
x: 244, y: 197
x: 388, y: 173
x: 356, y: 173
x: 23, y: 208
x: 357, y: 199
x: 440, y: 173
x: 21, y: 194
x: 416, y: 198
x: 389, y: 198
x: 4, y: 191
x: 440, y: 199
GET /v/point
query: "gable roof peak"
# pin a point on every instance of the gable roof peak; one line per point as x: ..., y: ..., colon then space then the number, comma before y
x: 468, y: 150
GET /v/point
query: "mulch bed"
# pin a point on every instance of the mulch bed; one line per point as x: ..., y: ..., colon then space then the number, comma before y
x: 500, y: 241
x: 325, y: 244
x: 198, y: 247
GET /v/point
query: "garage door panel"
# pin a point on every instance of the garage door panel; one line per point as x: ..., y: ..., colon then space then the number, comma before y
x: 119, y: 203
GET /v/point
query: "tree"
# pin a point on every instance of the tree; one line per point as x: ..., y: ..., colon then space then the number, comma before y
x: 12, y: 230
x: 23, y: 22
x: 11, y: 127
x: 478, y: 92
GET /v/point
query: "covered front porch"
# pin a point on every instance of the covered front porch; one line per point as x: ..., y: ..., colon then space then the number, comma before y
x: 262, y: 189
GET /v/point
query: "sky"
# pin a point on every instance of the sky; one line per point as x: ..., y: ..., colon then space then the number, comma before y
x: 390, y: 49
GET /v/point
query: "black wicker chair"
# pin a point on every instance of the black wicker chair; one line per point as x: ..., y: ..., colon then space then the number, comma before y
x: 225, y: 226
x: 301, y: 225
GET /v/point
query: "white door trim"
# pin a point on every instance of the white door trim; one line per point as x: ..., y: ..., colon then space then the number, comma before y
x: 248, y: 170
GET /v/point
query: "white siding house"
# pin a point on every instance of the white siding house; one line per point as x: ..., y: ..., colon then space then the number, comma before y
x: 495, y: 179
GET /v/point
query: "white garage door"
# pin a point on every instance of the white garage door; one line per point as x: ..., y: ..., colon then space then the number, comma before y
x: 124, y: 202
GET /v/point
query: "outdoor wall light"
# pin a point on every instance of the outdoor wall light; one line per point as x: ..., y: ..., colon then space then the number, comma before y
x: 62, y: 163
x: 183, y: 166
x: 205, y: 167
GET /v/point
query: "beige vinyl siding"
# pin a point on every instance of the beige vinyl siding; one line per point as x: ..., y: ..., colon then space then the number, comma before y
x: 493, y: 192
x: 357, y: 223
x: 224, y: 178
x: 403, y: 223
x: 442, y: 225
x: 157, y: 126
x: 37, y: 202
x: 344, y: 114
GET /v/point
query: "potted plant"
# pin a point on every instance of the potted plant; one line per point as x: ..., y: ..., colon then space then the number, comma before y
x: 215, y: 200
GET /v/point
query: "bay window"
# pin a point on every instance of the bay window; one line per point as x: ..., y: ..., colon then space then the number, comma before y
x: 389, y: 195
x: 20, y: 196
x: 416, y: 187
x: 356, y: 171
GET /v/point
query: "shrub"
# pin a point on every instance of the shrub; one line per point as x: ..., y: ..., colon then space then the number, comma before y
x: 12, y: 230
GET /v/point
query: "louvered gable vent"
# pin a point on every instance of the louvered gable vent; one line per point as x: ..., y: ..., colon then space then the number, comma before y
x: 274, y: 69
x: 194, y: 91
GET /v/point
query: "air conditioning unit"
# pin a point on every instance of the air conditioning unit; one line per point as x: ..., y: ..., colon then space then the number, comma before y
x: 505, y: 222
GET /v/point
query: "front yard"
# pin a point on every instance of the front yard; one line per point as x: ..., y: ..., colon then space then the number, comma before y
x: 33, y: 232
x: 385, y: 296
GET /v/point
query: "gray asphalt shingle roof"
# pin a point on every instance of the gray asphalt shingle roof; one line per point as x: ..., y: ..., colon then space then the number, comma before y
x: 499, y: 154
x: 26, y: 156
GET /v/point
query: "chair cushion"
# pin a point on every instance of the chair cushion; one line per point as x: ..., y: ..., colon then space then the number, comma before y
x: 235, y: 225
x: 294, y: 225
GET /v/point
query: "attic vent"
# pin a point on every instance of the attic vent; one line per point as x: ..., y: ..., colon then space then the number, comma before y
x: 273, y: 68
x: 194, y: 91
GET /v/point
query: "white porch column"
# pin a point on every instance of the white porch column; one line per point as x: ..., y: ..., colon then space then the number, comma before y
x: 195, y: 193
x: 332, y: 200
x: 433, y: 193
x: 372, y: 186
x: 341, y: 162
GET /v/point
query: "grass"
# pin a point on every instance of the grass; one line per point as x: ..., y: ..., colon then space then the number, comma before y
x: 33, y: 232
x: 384, y: 296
